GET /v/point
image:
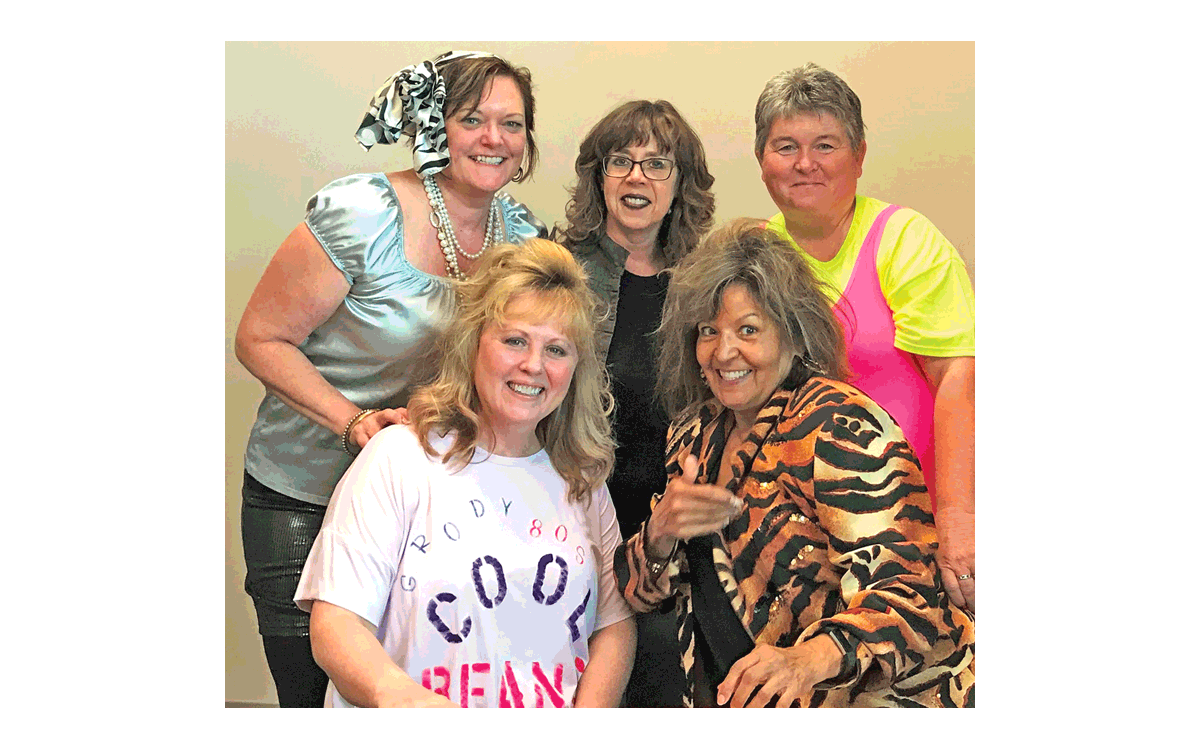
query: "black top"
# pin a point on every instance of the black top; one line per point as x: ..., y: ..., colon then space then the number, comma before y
x: 639, y: 422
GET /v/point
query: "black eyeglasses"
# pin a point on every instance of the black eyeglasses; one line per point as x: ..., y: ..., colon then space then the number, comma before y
x: 655, y: 168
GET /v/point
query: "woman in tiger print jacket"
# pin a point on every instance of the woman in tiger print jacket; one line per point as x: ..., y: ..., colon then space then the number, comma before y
x: 795, y: 539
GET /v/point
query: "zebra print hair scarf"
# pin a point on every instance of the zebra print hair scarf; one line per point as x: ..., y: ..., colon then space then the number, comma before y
x: 410, y: 104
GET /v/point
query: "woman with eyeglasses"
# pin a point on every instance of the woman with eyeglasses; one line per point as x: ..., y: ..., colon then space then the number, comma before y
x: 641, y: 203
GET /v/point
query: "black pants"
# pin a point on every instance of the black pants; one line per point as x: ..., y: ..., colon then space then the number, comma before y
x: 277, y: 534
x: 657, y: 680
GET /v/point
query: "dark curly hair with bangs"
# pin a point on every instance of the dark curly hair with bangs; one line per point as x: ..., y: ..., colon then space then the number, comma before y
x: 634, y: 124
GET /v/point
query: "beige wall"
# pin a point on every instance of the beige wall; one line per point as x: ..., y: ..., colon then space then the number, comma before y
x: 291, y: 111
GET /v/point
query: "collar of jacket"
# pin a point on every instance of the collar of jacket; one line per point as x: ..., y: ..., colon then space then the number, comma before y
x: 613, y: 252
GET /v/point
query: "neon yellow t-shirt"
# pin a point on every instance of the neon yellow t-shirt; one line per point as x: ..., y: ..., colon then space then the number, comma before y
x: 922, y: 276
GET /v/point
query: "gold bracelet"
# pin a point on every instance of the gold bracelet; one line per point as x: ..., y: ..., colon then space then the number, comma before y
x: 350, y: 426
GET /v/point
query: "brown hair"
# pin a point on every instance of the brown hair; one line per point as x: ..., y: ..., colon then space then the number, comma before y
x: 745, y: 251
x: 635, y: 123
x: 469, y: 79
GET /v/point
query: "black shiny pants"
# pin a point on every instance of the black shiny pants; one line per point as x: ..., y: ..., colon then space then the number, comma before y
x: 277, y: 534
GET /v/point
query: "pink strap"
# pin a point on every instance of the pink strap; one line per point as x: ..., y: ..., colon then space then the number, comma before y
x: 891, y: 377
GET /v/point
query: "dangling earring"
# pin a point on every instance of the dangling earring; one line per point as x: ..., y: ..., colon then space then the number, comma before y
x: 520, y: 173
x: 807, y: 361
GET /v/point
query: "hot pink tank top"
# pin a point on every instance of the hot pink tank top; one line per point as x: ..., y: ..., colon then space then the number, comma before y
x: 891, y: 377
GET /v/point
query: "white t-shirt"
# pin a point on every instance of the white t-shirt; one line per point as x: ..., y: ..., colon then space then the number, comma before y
x: 484, y: 584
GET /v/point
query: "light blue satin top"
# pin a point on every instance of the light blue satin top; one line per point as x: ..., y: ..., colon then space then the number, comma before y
x: 376, y: 346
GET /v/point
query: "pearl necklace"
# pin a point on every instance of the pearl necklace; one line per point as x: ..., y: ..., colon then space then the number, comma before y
x: 439, y: 217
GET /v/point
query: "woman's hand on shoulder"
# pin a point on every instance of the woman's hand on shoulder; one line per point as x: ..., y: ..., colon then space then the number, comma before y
x: 689, y: 508
x: 371, y: 424
x: 788, y: 674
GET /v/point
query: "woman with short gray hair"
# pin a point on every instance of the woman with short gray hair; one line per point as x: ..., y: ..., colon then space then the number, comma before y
x: 901, y: 290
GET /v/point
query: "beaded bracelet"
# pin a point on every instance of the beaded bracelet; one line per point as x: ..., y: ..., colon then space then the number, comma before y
x: 350, y: 426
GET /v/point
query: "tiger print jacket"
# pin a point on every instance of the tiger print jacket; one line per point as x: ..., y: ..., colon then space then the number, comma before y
x: 836, y: 533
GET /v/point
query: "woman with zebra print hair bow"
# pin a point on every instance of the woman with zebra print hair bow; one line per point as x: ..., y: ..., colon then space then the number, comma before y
x: 340, y: 327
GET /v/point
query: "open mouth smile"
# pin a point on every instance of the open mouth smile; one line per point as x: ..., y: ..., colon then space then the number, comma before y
x: 489, y: 160
x: 733, y: 374
x: 526, y: 390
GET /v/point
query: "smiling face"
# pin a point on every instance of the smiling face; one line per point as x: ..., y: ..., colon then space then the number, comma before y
x: 487, y: 143
x: 809, y: 166
x: 523, y: 370
x: 742, y: 354
x: 636, y: 205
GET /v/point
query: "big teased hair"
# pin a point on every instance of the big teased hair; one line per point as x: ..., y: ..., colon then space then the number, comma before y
x: 808, y: 89
x: 745, y: 251
x: 576, y: 435
x: 634, y: 124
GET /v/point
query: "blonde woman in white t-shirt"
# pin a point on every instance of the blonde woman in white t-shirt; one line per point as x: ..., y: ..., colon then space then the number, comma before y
x: 466, y: 558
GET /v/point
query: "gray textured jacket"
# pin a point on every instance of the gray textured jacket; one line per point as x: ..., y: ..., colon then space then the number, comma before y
x: 604, y: 261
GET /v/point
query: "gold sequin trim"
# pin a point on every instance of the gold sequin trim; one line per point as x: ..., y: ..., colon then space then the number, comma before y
x: 774, y: 608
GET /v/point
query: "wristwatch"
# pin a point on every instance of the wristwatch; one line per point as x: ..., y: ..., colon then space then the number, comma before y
x: 656, y: 566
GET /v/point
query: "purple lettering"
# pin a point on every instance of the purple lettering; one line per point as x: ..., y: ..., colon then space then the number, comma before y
x: 576, y: 615
x: 540, y: 597
x: 501, y: 585
x: 442, y: 627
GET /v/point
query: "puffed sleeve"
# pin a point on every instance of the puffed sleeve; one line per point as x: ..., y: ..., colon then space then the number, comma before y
x: 925, y: 282
x: 872, y: 502
x: 610, y: 606
x: 520, y: 221
x: 357, y: 220
x: 356, y: 556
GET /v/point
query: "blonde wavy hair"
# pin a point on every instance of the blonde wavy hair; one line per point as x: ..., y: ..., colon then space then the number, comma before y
x: 577, y: 435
